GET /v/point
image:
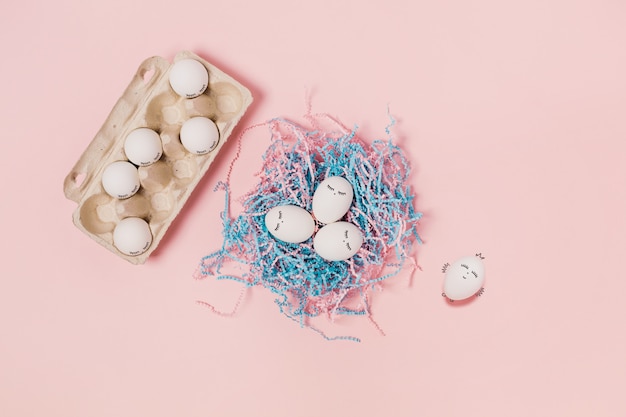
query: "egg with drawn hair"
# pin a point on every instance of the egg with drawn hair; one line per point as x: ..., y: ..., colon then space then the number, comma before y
x: 464, y: 278
x: 332, y: 199
x: 289, y: 223
x: 338, y: 241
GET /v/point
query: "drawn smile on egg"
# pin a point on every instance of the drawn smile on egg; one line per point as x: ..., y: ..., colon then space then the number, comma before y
x: 290, y: 223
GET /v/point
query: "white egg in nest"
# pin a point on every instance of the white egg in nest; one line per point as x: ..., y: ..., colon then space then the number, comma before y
x: 290, y: 223
x: 332, y: 199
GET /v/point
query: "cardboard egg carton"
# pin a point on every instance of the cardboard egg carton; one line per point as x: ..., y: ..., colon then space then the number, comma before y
x: 149, y: 101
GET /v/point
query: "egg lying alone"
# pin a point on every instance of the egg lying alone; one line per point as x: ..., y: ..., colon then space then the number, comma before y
x: 338, y: 241
x: 332, y: 199
x: 289, y: 223
x: 464, y: 278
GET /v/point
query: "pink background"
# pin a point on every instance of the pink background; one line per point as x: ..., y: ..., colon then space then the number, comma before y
x: 512, y: 113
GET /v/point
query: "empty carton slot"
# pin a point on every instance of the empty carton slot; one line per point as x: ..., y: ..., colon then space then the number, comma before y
x: 162, y: 111
x: 184, y: 170
x: 135, y: 206
x: 97, y: 214
x: 172, y: 148
x: 155, y: 177
x: 202, y: 105
x: 228, y: 99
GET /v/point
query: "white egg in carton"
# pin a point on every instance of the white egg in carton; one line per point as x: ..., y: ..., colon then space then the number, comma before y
x: 137, y: 173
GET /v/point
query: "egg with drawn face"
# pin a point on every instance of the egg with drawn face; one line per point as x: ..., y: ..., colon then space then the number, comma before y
x: 289, y: 223
x: 464, y: 278
x: 332, y: 199
x: 338, y: 241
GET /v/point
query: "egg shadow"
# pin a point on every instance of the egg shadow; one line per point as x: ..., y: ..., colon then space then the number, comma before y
x: 460, y: 303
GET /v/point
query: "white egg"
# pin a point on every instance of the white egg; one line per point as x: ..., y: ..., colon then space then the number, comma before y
x: 199, y: 135
x: 464, y: 278
x: 132, y: 236
x: 338, y: 241
x: 332, y: 199
x: 189, y: 78
x: 143, y: 146
x: 290, y: 223
x: 120, y: 179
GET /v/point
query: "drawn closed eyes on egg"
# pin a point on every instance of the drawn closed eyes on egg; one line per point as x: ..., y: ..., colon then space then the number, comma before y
x: 289, y: 223
x: 338, y: 241
x: 332, y: 199
x: 464, y: 278
x: 279, y: 220
x: 334, y: 190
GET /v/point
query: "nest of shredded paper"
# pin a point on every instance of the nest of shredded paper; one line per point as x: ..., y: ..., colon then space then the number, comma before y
x: 307, y: 285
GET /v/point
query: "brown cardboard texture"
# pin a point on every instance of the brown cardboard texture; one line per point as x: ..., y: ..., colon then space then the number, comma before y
x: 149, y: 101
